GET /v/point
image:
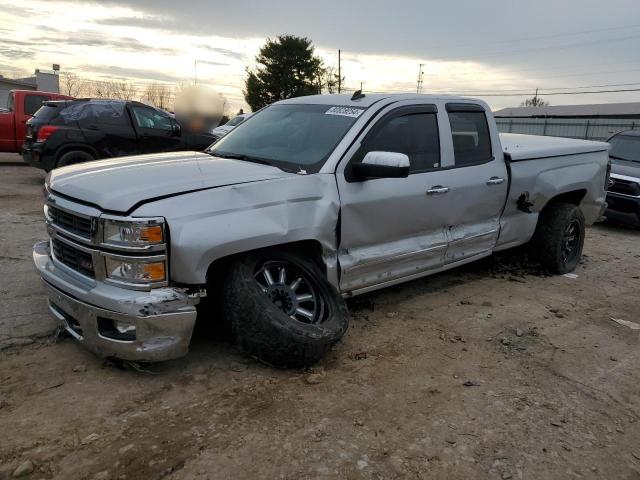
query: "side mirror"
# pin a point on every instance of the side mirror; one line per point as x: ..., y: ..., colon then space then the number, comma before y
x: 382, y: 165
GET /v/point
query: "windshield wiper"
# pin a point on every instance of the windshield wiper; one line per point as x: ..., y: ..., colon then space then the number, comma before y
x: 249, y: 158
x: 624, y: 159
x: 239, y: 156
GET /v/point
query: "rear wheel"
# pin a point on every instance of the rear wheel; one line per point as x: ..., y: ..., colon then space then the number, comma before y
x: 559, y: 238
x: 73, y: 157
x: 282, y: 310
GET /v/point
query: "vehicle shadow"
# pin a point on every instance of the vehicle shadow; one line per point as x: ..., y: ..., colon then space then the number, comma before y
x: 617, y: 227
x: 212, y: 337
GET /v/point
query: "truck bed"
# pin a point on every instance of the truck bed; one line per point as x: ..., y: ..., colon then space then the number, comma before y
x: 531, y: 147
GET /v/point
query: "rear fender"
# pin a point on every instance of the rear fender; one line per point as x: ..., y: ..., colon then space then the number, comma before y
x: 578, y: 179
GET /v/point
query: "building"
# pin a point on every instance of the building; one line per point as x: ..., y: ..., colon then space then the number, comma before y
x: 589, y: 122
x: 44, y: 81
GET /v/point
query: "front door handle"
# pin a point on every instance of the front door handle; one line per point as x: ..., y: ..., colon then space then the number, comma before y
x: 495, y: 181
x: 437, y: 190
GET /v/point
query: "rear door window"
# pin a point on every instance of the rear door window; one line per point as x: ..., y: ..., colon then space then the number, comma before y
x: 32, y: 103
x: 471, y: 138
x: 105, y: 113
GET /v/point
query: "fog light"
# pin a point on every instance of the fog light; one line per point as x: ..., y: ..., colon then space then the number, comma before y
x: 124, y: 327
x: 116, y: 329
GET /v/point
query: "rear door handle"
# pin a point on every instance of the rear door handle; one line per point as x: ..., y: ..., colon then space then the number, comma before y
x: 437, y: 190
x: 495, y: 181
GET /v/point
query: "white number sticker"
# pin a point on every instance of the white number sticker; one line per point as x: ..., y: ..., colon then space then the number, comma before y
x: 345, y: 111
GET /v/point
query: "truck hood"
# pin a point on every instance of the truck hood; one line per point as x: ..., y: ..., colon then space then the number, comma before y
x: 221, y: 130
x: 624, y: 167
x: 120, y: 184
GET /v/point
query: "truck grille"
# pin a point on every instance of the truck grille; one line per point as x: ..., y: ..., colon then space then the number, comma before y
x: 73, y: 258
x: 71, y: 223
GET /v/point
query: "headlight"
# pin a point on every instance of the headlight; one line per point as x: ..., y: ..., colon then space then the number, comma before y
x: 136, y: 270
x: 134, y: 233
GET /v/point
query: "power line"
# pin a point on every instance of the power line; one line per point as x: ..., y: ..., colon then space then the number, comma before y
x: 587, y: 74
x: 554, y: 93
x: 524, y: 39
x: 547, y: 88
x: 525, y: 92
x: 545, y: 49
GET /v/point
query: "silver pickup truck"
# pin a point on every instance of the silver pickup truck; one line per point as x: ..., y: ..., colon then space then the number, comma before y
x: 309, y: 201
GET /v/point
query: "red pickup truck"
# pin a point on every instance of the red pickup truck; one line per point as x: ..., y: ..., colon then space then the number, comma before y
x: 21, y: 106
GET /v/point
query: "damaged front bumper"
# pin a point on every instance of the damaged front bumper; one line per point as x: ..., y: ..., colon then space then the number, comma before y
x: 111, y: 321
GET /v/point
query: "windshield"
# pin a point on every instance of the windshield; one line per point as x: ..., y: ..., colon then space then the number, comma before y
x: 299, y: 137
x: 234, y: 121
x: 625, y: 147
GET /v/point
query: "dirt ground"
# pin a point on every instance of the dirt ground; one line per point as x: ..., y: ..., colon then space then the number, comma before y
x: 481, y: 372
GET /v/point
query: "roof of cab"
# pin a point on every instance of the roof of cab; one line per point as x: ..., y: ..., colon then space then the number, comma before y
x: 368, y: 99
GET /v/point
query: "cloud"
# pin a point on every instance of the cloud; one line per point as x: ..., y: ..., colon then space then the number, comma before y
x: 146, y: 21
x: 225, y: 52
x: 15, y: 54
x: 143, y: 74
x: 215, y: 64
x: 94, y: 38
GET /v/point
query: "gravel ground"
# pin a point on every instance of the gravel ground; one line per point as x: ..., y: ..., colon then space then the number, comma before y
x: 483, y: 372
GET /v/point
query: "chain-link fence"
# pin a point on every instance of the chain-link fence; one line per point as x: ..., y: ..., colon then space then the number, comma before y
x: 587, y: 129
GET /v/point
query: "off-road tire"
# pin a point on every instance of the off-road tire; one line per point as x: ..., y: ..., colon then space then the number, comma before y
x: 73, y: 157
x: 264, y: 331
x: 549, y: 238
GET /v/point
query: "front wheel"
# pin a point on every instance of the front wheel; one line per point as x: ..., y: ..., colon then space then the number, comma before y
x: 559, y: 238
x: 282, y: 310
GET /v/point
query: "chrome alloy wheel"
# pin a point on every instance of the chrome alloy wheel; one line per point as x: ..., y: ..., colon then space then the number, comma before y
x: 292, y: 291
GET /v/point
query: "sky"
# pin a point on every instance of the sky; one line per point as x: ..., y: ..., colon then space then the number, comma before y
x: 498, y: 50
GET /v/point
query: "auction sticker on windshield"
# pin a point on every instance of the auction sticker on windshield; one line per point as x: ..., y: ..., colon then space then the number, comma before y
x: 345, y: 111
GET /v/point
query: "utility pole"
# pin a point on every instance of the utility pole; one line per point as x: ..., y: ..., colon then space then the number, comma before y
x: 339, y: 72
x: 535, y: 99
x: 420, y: 81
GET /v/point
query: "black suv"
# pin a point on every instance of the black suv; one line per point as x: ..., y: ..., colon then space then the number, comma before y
x: 72, y: 131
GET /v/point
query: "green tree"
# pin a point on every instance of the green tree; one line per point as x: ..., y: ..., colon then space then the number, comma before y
x: 286, y: 67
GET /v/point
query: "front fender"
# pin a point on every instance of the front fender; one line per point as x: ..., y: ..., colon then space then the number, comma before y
x: 212, y: 224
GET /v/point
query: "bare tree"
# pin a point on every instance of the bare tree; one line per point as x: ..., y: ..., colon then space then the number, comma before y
x: 72, y: 85
x: 104, y: 89
x: 124, y: 90
x: 328, y: 79
x: 158, y: 94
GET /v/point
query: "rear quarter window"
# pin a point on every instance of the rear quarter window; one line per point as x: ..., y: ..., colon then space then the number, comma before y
x: 46, y: 113
x: 95, y: 113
